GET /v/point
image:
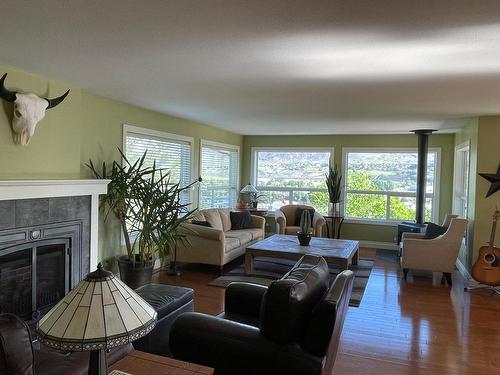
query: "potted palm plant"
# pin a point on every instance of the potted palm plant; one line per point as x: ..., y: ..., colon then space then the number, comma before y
x: 146, y: 204
x: 334, y: 185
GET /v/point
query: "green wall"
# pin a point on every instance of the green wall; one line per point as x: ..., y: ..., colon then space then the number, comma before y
x: 367, y: 232
x: 83, y: 127
x: 488, y: 160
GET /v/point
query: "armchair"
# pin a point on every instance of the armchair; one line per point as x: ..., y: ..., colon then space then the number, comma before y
x: 436, y: 255
x: 286, y: 220
x: 291, y: 327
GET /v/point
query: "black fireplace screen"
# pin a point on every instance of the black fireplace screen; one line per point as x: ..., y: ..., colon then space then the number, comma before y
x: 34, y: 277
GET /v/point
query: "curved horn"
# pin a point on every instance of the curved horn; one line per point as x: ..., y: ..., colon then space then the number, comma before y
x: 5, y: 94
x: 56, y: 101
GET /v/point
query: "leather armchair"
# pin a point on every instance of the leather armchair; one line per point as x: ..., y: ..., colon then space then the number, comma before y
x: 286, y: 223
x: 292, y: 327
x: 436, y: 255
x: 18, y: 356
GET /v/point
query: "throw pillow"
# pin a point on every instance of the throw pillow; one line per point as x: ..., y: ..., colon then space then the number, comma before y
x: 298, y: 214
x: 201, y: 222
x: 240, y: 220
x: 433, y: 231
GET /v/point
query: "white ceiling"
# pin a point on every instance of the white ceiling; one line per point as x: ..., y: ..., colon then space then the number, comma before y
x: 271, y: 67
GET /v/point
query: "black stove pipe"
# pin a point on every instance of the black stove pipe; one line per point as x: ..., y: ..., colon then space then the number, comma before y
x: 423, y: 146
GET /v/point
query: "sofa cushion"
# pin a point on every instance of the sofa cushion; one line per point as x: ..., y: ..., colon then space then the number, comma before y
x: 292, y: 229
x: 212, y: 215
x: 288, y: 302
x: 257, y: 233
x: 231, y: 243
x: 243, y: 235
x: 198, y: 216
x: 225, y: 218
x: 201, y: 222
x: 240, y: 220
x: 433, y: 231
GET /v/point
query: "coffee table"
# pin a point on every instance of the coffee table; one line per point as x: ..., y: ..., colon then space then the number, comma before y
x: 141, y: 363
x: 341, y: 252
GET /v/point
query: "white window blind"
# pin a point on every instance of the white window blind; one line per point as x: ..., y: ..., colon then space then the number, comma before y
x: 170, y: 154
x: 220, y: 173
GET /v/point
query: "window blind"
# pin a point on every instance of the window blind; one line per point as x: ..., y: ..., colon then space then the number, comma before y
x: 220, y: 173
x: 170, y: 154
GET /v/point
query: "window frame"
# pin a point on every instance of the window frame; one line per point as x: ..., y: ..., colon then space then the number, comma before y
x: 461, y: 177
x: 137, y: 130
x: 254, y: 166
x: 388, y: 222
x: 223, y: 146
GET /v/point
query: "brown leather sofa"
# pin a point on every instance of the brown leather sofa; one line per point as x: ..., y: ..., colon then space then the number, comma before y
x: 18, y: 356
x: 292, y: 327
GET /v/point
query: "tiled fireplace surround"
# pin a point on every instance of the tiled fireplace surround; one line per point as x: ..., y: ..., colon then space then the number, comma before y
x: 36, y: 213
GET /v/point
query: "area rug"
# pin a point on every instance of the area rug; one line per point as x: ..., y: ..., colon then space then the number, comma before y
x: 267, y: 270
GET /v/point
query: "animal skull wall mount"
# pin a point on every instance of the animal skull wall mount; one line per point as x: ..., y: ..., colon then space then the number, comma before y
x: 29, y: 109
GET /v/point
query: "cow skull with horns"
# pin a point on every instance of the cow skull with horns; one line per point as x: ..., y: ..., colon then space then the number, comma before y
x: 29, y: 109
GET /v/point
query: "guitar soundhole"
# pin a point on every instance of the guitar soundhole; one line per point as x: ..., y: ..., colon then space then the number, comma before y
x: 489, y: 258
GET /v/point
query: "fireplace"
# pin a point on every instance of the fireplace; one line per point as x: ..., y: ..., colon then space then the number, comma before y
x: 34, y: 277
x: 38, y: 266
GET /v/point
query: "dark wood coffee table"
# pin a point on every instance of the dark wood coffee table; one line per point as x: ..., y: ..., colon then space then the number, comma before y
x: 341, y: 252
x: 140, y: 363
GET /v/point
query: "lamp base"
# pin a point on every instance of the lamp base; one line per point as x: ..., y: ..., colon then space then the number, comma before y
x: 98, y: 364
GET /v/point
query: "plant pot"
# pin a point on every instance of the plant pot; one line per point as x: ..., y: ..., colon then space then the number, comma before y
x: 255, y: 204
x: 135, y: 275
x: 304, y: 238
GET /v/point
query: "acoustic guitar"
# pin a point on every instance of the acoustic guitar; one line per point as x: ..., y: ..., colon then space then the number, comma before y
x: 486, y: 270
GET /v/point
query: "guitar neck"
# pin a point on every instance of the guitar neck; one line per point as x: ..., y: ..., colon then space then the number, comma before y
x: 494, y: 229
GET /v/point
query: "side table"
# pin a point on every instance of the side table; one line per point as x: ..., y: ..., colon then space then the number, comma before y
x: 333, y: 226
x: 140, y: 363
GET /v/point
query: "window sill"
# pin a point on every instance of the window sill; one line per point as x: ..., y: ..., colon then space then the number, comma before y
x: 386, y: 223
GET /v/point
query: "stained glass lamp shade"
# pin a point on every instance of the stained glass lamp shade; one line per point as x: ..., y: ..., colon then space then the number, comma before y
x: 100, y: 313
x: 249, y: 189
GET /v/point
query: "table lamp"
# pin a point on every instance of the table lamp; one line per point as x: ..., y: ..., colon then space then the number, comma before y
x: 252, y: 192
x: 100, y: 313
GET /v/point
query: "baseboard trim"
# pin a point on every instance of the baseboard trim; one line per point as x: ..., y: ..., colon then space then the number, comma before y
x: 379, y: 245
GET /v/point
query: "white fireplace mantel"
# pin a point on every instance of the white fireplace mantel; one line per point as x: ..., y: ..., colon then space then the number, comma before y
x: 32, y: 189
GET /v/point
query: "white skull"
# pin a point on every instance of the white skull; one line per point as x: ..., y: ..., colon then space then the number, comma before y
x: 29, y: 109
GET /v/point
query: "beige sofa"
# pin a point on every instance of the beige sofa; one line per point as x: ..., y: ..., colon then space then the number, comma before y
x: 218, y: 244
x: 285, y: 220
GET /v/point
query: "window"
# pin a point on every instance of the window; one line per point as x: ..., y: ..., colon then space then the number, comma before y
x: 461, y: 180
x: 172, y: 152
x: 285, y: 176
x: 381, y: 184
x: 220, y: 172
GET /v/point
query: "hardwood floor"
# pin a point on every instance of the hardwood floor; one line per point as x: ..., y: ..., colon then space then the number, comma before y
x: 414, y: 327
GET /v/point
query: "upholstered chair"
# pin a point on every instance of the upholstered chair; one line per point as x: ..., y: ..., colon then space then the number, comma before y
x: 446, y: 223
x: 292, y: 327
x: 436, y: 255
x: 287, y: 221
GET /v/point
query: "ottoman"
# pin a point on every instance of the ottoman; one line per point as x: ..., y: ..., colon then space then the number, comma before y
x: 169, y: 301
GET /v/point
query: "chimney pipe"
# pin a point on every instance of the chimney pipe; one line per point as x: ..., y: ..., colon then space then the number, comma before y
x: 423, y: 146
